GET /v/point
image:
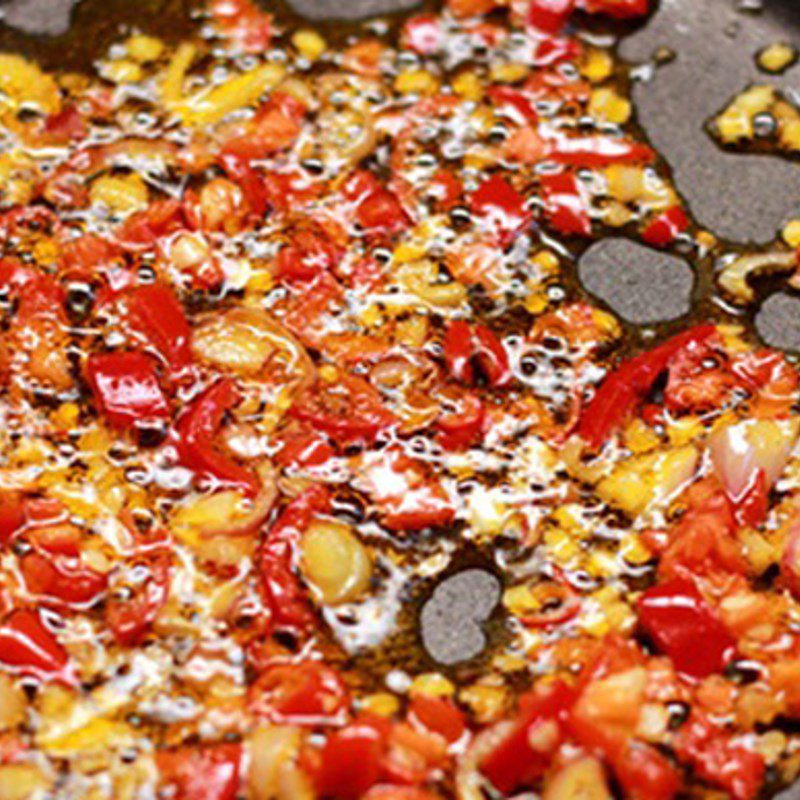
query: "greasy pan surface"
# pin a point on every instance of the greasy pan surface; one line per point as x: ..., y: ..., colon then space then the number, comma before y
x: 742, y: 198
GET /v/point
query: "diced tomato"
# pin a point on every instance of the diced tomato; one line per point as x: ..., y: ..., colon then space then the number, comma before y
x: 249, y: 180
x: 12, y: 515
x: 501, y: 207
x: 666, y: 227
x: 717, y: 758
x: 142, y: 230
x: 351, y: 411
x: 303, y: 449
x: 62, y: 577
x: 350, y: 762
x: 460, y: 424
x: 66, y: 125
x: 438, y: 715
x: 27, y: 647
x: 645, y: 774
x: 445, y: 189
x: 88, y: 256
x: 126, y: 389
x: 564, y: 206
x: 196, y: 430
x: 514, y: 762
x: 245, y: 23
x: 377, y: 209
x: 201, y: 772
x: 682, y: 625
x: 301, y: 693
x: 309, y: 253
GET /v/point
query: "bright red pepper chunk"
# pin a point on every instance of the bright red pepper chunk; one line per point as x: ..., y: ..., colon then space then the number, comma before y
x: 469, y: 347
x: 514, y: 762
x: 564, y: 207
x: 131, y: 616
x: 682, y: 625
x: 27, y: 647
x: 304, y: 693
x: 156, y: 315
x: 501, y: 207
x: 196, y: 431
x: 718, y: 759
x: 351, y: 759
x: 210, y: 772
x: 126, y: 389
x: 284, y: 595
x: 549, y: 16
x: 63, y: 578
x: 666, y: 227
x: 627, y: 387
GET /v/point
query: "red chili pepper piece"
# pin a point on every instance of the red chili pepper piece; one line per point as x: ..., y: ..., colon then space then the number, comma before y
x: 564, y: 207
x: 351, y: 759
x: 377, y: 209
x: 502, y: 207
x: 716, y: 758
x: 285, y: 596
x: 195, y: 433
x: 422, y: 34
x: 549, y: 16
x: 521, y: 108
x: 751, y: 506
x: 201, y: 772
x: 514, y: 762
x: 131, y: 616
x: 62, y: 577
x: 683, y: 625
x: 645, y: 774
x: 156, y: 314
x: 618, y: 9
x: 594, y: 152
x: 304, y: 693
x: 126, y: 389
x: 624, y: 389
x: 351, y: 412
x: 309, y: 253
x: 249, y: 180
x: 29, y: 648
x: 467, y: 346
x: 461, y: 424
x: 143, y: 229
x: 12, y: 515
x: 666, y: 227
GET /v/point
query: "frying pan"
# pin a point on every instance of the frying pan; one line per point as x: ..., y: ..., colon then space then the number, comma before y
x: 743, y: 199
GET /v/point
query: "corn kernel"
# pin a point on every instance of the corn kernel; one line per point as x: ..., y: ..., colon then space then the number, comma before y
x: 607, y: 105
x: 122, y: 71
x: 777, y: 57
x: 413, y: 331
x: 409, y: 251
x: 597, y: 65
x: 487, y: 703
x: 371, y: 316
x: 509, y: 72
x: 309, y: 44
x: 260, y: 281
x: 143, y: 48
x: 634, y: 550
x: 790, y: 135
x: 121, y: 194
x: 547, y: 261
x: 329, y: 373
x: 67, y: 414
x: 416, y: 81
x: 639, y: 437
x: 791, y: 233
x: 381, y: 703
x: 684, y: 430
x: 432, y: 684
x: 468, y: 85
x: 537, y: 301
